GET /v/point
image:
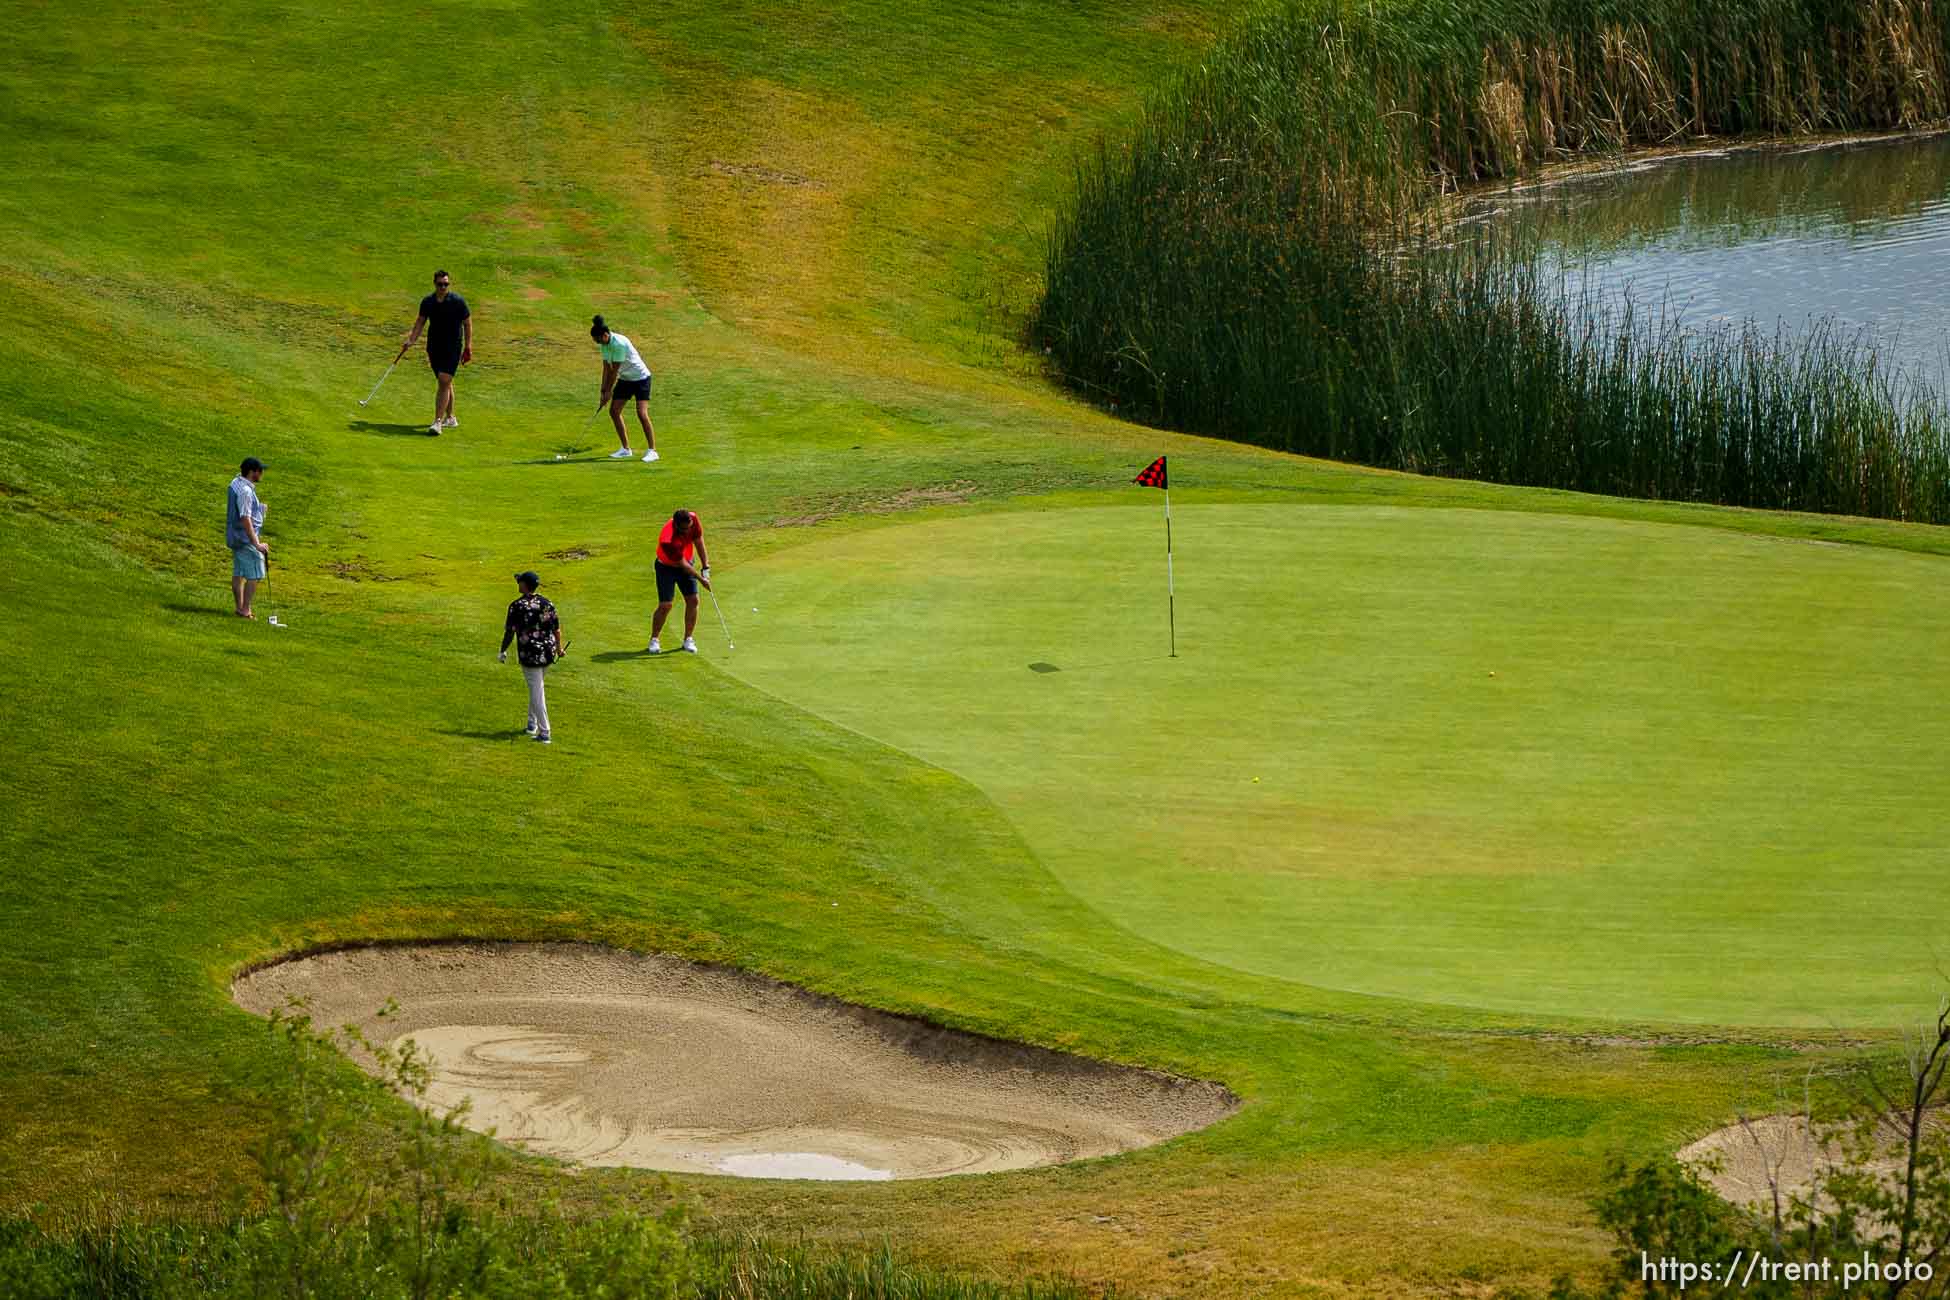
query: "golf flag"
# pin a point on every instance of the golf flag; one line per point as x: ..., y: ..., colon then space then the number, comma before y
x: 1155, y: 475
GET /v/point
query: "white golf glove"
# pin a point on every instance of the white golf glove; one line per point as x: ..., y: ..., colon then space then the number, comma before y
x: 502, y: 657
x: 707, y: 572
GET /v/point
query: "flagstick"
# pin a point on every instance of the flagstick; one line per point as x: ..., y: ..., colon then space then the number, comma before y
x: 1171, y: 599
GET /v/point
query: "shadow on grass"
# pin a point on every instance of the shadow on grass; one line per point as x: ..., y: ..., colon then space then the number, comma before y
x: 512, y: 733
x: 625, y: 656
x: 569, y: 456
x: 1043, y: 666
x: 200, y: 609
x: 391, y: 430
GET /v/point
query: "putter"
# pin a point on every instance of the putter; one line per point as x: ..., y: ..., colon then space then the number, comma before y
x: 382, y: 379
x: 729, y: 644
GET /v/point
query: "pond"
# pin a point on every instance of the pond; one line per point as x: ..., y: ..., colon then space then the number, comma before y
x: 1858, y: 232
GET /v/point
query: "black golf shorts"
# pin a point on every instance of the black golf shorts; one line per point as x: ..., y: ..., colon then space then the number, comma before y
x: 670, y: 581
x: 444, y: 361
x: 628, y: 388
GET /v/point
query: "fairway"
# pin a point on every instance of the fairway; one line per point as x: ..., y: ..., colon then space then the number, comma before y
x: 1524, y: 763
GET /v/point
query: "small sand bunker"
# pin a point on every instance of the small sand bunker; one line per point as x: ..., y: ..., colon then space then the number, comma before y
x: 612, y: 1058
x: 1745, y: 1162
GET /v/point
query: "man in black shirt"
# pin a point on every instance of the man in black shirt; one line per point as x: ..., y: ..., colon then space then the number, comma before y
x: 450, y: 345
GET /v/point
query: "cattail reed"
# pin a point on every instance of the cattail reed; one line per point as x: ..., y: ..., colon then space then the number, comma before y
x: 1259, y: 259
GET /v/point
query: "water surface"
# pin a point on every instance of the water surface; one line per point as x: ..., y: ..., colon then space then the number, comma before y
x: 1856, y: 232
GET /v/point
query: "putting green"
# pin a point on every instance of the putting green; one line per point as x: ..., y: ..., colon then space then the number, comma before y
x: 1523, y: 762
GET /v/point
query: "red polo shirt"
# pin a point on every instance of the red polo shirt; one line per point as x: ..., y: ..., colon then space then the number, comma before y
x: 668, y: 551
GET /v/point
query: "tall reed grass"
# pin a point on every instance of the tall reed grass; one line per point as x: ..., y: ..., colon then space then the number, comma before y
x: 1259, y: 260
x: 505, y: 1257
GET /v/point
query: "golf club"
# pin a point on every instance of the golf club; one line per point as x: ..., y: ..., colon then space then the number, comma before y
x: 729, y: 644
x: 382, y: 379
x: 588, y: 420
x: 264, y: 585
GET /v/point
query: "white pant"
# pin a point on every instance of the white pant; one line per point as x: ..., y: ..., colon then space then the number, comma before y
x: 537, y: 702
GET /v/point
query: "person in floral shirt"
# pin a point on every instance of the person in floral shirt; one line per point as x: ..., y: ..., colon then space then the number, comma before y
x: 537, y: 636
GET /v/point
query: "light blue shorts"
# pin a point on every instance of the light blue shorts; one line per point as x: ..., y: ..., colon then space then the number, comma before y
x: 247, y: 563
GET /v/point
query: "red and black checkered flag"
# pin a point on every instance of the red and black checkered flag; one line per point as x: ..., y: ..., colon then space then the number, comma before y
x: 1154, y: 475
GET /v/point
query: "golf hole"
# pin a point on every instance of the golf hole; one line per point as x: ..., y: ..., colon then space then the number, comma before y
x: 603, y: 1057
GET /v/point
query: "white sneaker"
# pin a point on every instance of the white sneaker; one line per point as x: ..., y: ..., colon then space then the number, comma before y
x: 532, y: 730
x: 653, y: 647
x: 690, y: 646
x: 622, y: 453
x: 542, y: 737
x: 450, y: 423
x: 651, y: 455
x: 434, y: 428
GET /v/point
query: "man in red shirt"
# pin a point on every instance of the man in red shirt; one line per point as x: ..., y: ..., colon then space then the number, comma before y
x: 682, y: 537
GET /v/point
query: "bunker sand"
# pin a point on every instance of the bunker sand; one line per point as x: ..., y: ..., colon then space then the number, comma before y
x: 604, y: 1057
x: 1747, y: 1162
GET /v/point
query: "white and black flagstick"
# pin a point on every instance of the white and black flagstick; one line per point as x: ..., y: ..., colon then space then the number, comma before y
x: 1157, y: 474
x: 1171, y: 598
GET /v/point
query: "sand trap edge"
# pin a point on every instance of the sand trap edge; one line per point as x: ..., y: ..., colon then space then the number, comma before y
x: 1160, y: 1105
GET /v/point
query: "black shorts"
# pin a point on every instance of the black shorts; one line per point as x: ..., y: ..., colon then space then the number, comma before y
x: 445, y: 361
x: 670, y: 581
x: 628, y: 388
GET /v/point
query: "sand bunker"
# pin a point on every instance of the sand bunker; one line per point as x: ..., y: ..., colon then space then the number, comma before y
x: 1745, y: 1162
x: 611, y: 1058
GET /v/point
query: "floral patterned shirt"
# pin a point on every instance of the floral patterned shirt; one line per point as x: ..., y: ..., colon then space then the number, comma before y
x: 532, y: 619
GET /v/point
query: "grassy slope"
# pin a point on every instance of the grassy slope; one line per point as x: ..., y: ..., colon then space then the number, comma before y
x: 190, y: 794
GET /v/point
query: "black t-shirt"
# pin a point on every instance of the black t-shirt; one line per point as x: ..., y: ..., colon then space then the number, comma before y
x: 443, y: 321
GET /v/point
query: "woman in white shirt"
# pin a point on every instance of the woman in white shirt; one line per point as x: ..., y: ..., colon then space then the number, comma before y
x: 624, y: 376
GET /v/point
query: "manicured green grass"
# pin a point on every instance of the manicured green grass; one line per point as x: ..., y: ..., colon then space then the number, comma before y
x: 1552, y: 766
x: 217, y: 227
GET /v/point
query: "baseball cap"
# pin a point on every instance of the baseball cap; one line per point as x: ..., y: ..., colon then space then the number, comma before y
x: 530, y: 577
x: 250, y: 463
